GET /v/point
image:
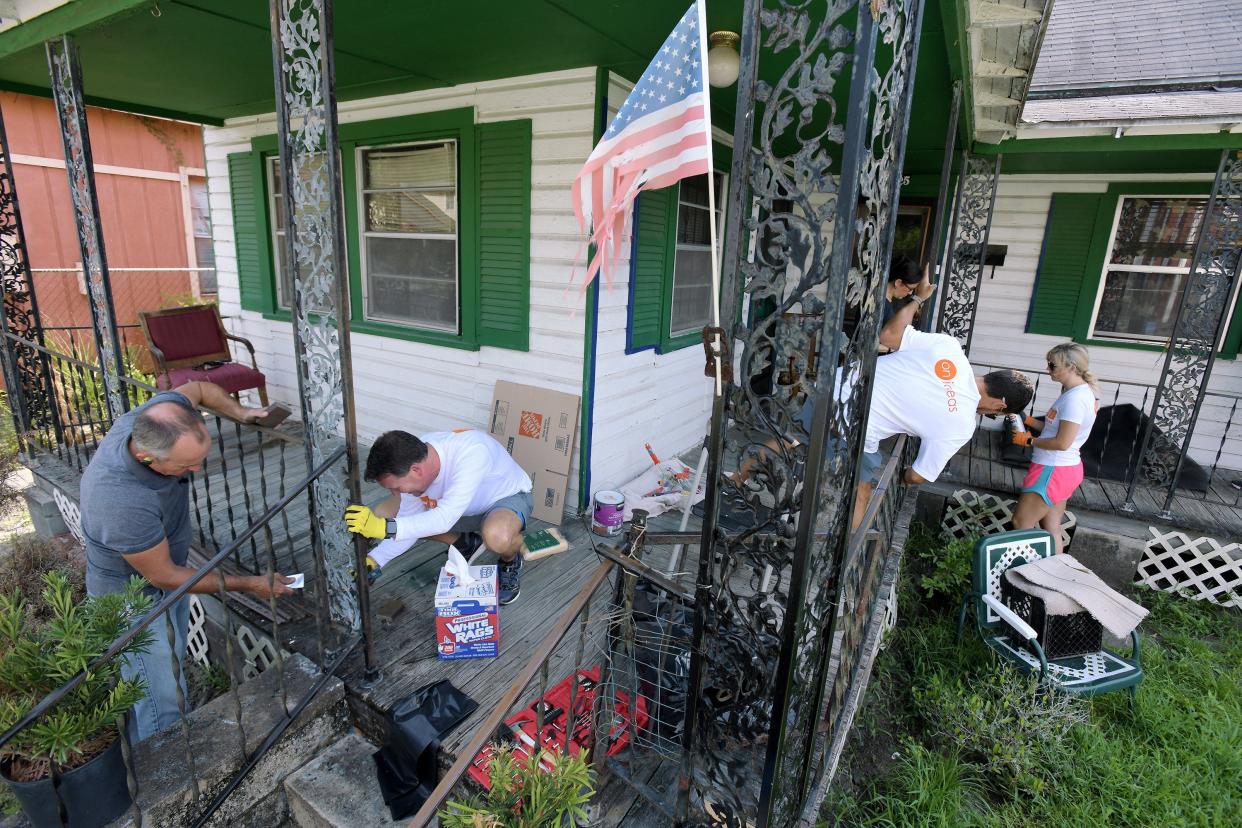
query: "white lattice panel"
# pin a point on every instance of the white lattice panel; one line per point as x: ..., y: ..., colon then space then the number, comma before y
x: 71, y: 514
x: 1204, y: 567
x: 1074, y: 670
x: 969, y: 514
x: 258, y: 652
x: 196, y: 639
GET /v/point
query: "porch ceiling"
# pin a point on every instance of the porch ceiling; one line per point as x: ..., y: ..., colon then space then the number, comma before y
x: 209, y: 60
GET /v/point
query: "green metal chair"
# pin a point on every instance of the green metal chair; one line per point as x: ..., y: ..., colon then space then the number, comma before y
x: 1085, y: 675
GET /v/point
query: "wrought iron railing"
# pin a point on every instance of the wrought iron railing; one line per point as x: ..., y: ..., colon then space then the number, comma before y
x: 329, y: 652
x: 627, y: 639
x: 1210, y: 462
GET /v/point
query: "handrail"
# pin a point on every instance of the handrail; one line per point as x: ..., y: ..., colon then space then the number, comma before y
x: 466, y: 754
x: 51, y: 699
x: 887, y: 476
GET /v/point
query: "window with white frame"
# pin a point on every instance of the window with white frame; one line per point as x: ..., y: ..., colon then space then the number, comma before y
x: 200, y: 227
x: 1149, y: 258
x: 276, y: 209
x: 408, y: 204
x: 692, y: 266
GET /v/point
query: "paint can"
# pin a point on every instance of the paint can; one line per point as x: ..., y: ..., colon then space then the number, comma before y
x: 609, y: 513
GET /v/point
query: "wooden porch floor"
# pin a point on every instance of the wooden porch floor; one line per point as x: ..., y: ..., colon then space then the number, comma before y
x: 978, y: 465
x: 248, y: 473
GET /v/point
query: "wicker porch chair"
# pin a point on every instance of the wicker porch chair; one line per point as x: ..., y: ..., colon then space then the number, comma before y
x: 190, y: 344
x: 1085, y: 675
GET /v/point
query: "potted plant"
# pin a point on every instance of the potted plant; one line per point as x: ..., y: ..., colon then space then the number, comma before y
x: 79, y: 734
x: 523, y: 796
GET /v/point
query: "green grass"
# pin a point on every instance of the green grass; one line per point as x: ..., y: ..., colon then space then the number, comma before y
x: 926, y: 750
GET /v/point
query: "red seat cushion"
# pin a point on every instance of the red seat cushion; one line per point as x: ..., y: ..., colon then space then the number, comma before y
x: 231, y: 376
x: 187, y: 334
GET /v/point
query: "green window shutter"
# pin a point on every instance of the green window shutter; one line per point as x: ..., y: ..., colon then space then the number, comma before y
x: 1063, y: 261
x: 504, y: 234
x: 249, y: 230
x: 652, y: 265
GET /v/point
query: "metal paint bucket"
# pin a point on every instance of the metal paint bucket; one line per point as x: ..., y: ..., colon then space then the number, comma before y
x: 609, y: 513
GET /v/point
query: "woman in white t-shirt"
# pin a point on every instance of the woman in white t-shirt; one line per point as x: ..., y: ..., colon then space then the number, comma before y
x: 1056, y: 467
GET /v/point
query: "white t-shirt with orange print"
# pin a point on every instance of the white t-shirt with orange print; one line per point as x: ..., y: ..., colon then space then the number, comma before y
x: 1077, y: 405
x: 925, y: 388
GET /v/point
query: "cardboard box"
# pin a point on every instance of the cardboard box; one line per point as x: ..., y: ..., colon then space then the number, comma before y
x: 538, y: 428
x: 467, y: 623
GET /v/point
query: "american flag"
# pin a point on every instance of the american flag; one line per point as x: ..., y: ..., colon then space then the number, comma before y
x: 660, y: 135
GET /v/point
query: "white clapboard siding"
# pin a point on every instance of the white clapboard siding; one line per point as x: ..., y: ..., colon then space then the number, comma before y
x: 420, y: 387
x: 1021, y: 214
x: 644, y: 397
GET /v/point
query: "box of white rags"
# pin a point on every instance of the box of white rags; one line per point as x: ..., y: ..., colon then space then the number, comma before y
x: 467, y: 624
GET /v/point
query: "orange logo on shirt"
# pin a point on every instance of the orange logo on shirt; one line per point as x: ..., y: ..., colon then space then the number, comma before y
x: 945, y: 369
x: 429, y: 502
x: 1052, y: 413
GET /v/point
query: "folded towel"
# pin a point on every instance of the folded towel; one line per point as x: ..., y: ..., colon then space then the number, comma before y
x: 1066, y: 586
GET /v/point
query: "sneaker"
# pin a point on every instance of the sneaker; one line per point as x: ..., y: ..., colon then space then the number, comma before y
x: 509, y: 576
x: 468, y: 543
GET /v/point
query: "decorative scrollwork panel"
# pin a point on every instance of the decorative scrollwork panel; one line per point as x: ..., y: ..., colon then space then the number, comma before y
x: 968, y: 245
x: 825, y: 183
x: 62, y: 61
x: 26, y: 374
x: 1196, y: 331
x: 306, y: 118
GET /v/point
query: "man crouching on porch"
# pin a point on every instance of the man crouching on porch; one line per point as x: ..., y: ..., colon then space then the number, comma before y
x: 457, y: 487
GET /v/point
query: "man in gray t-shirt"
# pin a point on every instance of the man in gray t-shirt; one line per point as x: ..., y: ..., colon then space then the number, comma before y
x: 136, y: 521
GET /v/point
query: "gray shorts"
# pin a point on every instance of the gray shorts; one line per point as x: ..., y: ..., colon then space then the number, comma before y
x: 520, y: 504
x: 872, y: 462
x: 869, y: 468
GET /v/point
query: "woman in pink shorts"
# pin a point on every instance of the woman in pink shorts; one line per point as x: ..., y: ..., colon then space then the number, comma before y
x: 1056, y: 468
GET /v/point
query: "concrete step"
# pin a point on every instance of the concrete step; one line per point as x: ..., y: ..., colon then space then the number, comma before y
x: 166, y: 794
x: 338, y: 789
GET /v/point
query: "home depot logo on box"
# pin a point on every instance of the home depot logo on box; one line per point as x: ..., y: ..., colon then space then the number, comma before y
x: 531, y: 425
x: 467, y: 623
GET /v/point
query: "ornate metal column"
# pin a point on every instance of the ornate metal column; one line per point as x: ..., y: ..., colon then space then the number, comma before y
x: 1201, y: 316
x: 62, y: 63
x: 26, y: 374
x: 826, y: 181
x: 968, y: 245
x: 315, y: 249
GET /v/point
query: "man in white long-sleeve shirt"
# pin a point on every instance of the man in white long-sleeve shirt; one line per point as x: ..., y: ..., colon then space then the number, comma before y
x: 457, y: 487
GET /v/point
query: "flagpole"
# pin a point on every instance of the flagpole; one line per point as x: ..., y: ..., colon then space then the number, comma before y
x: 711, y: 189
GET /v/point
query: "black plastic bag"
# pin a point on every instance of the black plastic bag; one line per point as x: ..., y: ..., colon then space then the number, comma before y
x: 407, y: 765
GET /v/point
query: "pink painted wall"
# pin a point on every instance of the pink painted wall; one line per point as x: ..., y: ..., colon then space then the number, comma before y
x: 144, y: 221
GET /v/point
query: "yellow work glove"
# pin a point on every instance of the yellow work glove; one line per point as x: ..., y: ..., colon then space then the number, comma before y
x: 362, y: 521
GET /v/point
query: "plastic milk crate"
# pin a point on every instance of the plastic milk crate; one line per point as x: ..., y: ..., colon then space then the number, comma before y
x: 1061, y: 636
x: 467, y: 623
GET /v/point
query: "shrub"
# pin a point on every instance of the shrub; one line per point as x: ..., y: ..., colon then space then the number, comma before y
x: 522, y: 796
x: 1004, y: 721
x: 37, y: 659
x: 943, y: 563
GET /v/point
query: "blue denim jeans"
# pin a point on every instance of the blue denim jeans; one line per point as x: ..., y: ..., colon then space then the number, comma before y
x: 158, y: 709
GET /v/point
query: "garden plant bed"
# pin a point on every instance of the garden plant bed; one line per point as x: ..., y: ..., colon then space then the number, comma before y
x: 948, y: 738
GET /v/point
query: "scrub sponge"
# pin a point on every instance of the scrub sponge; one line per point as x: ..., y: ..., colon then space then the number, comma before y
x: 543, y: 543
